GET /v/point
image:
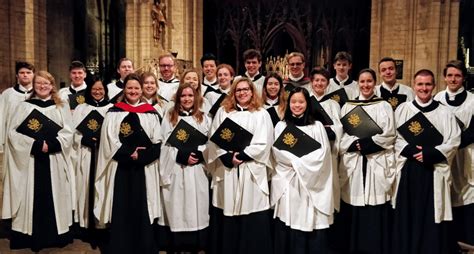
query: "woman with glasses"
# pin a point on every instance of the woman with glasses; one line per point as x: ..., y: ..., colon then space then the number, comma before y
x: 87, y: 121
x: 240, y: 215
x: 39, y: 189
x: 127, y: 179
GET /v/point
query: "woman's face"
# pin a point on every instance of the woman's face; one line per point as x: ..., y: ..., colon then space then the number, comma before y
x: 366, y: 84
x: 224, y: 78
x: 273, y: 87
x: 43, y: 87
x: 98, y: 91
x: 298, y: 104
x: 193, y: 79
x: 133, y: 91
x: 243, y: 93
x: 319, y: 84
x: 149, y: 87
x: 186, y: 99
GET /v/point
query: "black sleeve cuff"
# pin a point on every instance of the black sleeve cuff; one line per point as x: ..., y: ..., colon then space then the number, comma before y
x: 198, y: 155
x: 123, y: 153
x: 330, y: 133
x: 89, y: 142
x: 467, y: 138
x: 409, y: 151
x: 53, y: 146
x: 227, y: 160
x: 243, y: 157
x: 368, y: 146
x: 353, y: 147
x: 182, y: 157
x: 37, y: 147
x: 432, y: 156
x: 149, y: 155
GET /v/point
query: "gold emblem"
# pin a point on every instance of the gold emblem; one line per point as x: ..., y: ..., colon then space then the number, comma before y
x: 80, y: 99
x: 336, y: 98
x: 227, y: 134
x: 93, y: 125
x: 354, y: 120
x: 126, y: 129
x: 289, y: 139
x: 393, y: 101
x: 34, y: 125
x: 415, y: 128
x: 182, y: 135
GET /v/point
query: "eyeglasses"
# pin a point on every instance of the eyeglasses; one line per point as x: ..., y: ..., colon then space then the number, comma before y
x: 166, y: 66
x: 295, y: 64
x: 242, y: 90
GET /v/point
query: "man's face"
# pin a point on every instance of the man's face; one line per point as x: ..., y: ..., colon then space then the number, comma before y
x: 423, y: 86
x: 210, y: 69
x: 167, y: 68
x: 252, y: 65
x: 77, y: 76
x: 25, y: 76
x: 387, y: 72
x: 125, y: 68
x: 296, y: 65
x: 454, y: 79
x: 342, y: 68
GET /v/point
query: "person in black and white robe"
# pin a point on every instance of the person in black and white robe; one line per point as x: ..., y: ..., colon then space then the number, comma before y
x: 389, y: 90
x: 168, y: 82
x: 39, y: 187
x: 127, y: 178
x: 274, y: 97
x: 240, y: 212
x: 422, y: 194
x: 115, y: 89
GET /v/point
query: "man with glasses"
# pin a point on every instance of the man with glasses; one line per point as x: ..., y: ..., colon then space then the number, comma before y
x: 296, y: 77
x: 168, y: 83
x: 253, y: 62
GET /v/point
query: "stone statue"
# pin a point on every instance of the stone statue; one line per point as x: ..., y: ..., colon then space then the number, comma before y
x: 159, y: 20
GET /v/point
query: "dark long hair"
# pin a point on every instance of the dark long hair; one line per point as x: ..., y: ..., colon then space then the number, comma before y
x: 88, y: 92
x: 307, y: 118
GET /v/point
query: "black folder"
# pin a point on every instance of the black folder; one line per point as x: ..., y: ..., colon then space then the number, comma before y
x: 295, y: 141
x: 38, y: 126
x: 319, y: 113
x: 418, y: 130
x: 91, y: 125
x: 217, y: 105
x: 76, y: 99
x: 273, y: 115
x: 288, y: 88
x: 338, y: 96
x: 395, y: 99
x: 132, y: 133
x: 231, y: 137
x: 358, y: 123
x: 185, y: 137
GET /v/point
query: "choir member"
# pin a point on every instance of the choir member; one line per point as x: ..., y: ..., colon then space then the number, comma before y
x: 192, y: 77
x: 115, y: 89
x: 342, y: 65
x: 74, y: 93
x: 302, y: 188
x: 367, y: 169
x: 225, y: 75
x: 333, y: 127
x: 461, y: 103
x: 209, y: 67
x: 240, y: 215
x: 168, y: 82
x: 253, y: 62
x: 390, y: 90
x: 185, y: 186
x: 127, y: 178
x: 150, y: 92
x: 274, y: 97
x: 424, y: 157
x: 39, y: 189
x: 87, y: 121
x: 296, y: 77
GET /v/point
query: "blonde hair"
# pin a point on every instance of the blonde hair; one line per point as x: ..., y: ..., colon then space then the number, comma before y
x: 230, y: 102
x: 155, y: 98
x: 54, y: 91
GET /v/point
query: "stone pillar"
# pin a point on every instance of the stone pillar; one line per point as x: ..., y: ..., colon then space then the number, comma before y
x: 23, y: 25
x: 422, y: 33
x: 182, y: 32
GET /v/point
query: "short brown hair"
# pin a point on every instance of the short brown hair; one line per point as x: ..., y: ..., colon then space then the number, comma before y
x: 252, y: 53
